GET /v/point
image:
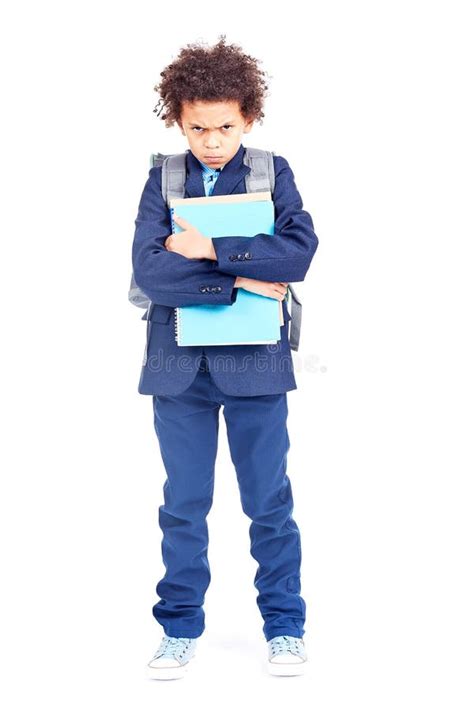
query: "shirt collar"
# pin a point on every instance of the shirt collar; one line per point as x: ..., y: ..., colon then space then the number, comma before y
x: 207, y: 170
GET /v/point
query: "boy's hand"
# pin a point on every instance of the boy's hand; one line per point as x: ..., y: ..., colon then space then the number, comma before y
x: 190, y: 243
x: 274, y: 289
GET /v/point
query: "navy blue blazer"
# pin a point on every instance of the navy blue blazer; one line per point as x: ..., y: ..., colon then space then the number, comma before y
x: 170, y: 279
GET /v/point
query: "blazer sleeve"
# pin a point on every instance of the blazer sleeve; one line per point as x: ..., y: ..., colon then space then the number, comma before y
x: 283, y: 256
x: 166, y: 277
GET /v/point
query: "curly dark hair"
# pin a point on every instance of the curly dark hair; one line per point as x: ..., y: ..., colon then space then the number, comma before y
x: 220, y: 73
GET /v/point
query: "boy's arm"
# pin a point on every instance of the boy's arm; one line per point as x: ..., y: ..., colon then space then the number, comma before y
x: 283, y: 256
x: 166, y: 277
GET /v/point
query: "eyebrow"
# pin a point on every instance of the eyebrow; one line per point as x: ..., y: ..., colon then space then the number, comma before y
x: 197, y: 125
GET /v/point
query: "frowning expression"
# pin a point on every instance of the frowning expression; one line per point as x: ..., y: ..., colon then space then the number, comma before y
x: 214, y: 130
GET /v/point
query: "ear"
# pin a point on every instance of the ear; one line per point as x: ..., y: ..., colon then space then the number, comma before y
x: 248, y: 126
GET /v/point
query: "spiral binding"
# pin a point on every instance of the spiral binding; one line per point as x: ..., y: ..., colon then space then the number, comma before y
x: 177, y: 325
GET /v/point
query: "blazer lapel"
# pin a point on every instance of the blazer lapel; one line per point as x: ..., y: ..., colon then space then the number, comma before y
x: 232, y: 173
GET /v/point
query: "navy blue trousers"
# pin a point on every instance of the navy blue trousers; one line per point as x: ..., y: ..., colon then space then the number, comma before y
x: 187, y: 429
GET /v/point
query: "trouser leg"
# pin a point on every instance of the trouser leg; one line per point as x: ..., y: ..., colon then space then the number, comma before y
x: 259, y: 442
x: 187, y: 429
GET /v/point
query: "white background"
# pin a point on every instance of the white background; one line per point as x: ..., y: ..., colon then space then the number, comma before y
x: 371, y: 104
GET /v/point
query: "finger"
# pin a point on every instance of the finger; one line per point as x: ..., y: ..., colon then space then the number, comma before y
x: 181, y: 221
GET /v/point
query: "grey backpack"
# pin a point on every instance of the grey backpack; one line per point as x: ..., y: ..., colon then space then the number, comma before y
x: 260, y: 179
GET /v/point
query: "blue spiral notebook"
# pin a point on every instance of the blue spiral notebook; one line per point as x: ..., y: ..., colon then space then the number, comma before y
x: 252, y: 318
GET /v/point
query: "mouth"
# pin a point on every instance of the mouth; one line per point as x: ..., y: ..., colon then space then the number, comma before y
x: 213, y: 157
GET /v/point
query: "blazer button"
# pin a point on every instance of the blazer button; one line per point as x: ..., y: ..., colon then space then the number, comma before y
x: 247, y: 255
x: 240, y: 257
x: 218, y: 288
x: 202, y: 289
x: 232, y: 257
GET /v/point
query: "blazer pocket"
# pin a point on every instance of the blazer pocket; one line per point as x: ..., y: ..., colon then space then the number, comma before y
x: 159, y: 313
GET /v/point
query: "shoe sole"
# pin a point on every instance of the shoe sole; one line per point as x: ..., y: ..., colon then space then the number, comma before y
x: 295, y: 669
x: 165, y: 673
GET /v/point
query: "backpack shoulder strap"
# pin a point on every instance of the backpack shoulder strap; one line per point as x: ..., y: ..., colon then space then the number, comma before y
x: 173, y: 176
x: 262, y: 172
x: 295, y: 323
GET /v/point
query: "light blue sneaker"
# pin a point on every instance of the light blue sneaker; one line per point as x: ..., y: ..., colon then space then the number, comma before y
x: 171, y: 661
x: 286, y: 656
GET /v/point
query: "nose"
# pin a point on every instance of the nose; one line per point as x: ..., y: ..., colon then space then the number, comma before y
x: 211, y: 141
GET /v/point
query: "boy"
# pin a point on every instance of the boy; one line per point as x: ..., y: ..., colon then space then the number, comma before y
x: 214, y: 96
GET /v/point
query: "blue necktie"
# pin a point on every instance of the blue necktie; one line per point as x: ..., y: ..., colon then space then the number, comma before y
x: 211, y: 180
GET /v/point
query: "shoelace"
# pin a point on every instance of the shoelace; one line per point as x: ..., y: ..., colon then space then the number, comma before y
x: 173, y: 647
x: 285, y: 645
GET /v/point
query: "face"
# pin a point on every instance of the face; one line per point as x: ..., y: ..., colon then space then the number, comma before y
x: 214, y: 130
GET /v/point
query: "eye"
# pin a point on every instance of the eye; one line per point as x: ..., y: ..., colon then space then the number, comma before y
x: 199, y: 129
